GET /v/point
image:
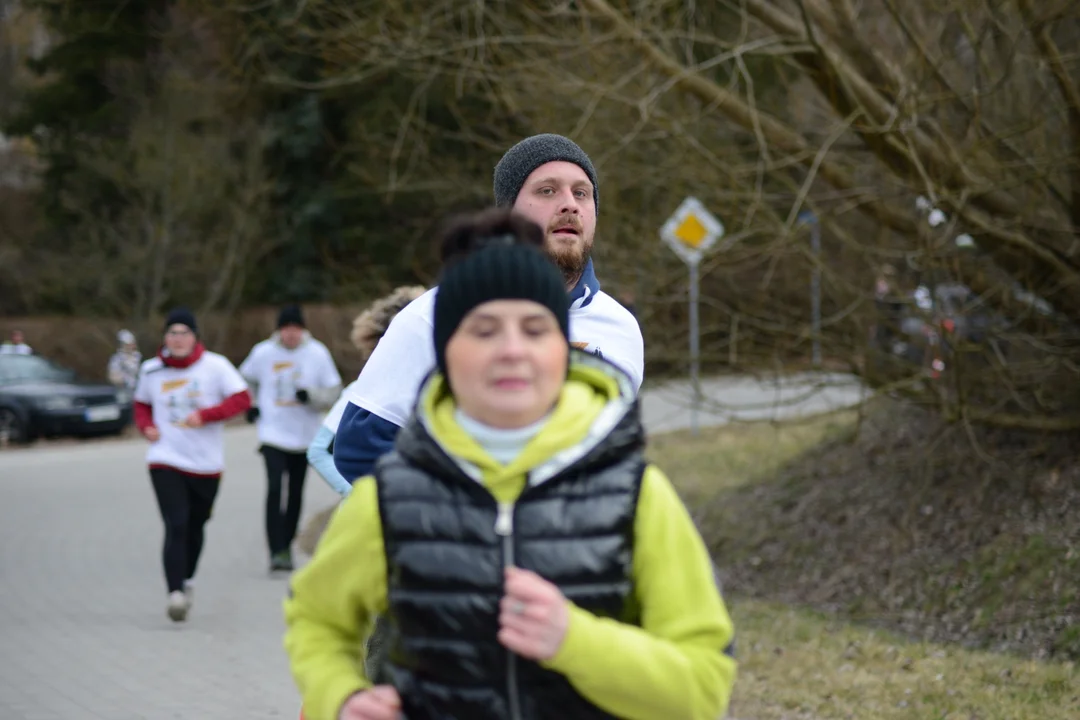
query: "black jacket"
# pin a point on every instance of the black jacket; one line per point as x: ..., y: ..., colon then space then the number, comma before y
x: 448, y: 541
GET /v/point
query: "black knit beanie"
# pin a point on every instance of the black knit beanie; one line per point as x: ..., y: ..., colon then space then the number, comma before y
x: 290, y: 315
x: 181, y: 316
x: 497, y: 272
x: 519, y: 161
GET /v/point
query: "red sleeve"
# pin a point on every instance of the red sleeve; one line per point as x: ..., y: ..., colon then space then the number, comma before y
x: 229, y: 407
x: 144, y: 416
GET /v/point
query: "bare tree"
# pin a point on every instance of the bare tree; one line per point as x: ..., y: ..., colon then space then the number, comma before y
x: 766, y: 109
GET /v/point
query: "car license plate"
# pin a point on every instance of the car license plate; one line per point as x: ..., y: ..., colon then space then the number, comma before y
x: 103, y: 413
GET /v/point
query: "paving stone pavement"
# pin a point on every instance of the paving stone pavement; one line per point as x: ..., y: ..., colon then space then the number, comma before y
x: 83, y: 631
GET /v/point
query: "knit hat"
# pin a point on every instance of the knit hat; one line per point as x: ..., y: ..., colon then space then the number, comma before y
x: 181, y: 316
x: 499, y: 271
x: 519, y: 161
x: 290, y: 315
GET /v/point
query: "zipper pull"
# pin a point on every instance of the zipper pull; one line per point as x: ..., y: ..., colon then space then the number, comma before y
x: 504, y: 523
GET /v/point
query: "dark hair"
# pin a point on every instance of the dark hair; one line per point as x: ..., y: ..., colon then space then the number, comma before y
x: 465, y: 233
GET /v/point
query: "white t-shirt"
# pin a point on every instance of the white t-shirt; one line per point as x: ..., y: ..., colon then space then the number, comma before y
x: 284, y: 422
x: 391, y: 377
x: 333, y: 418
x: 173, y: 394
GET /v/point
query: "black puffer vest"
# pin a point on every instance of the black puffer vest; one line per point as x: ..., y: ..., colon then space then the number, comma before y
x: 448, y: 542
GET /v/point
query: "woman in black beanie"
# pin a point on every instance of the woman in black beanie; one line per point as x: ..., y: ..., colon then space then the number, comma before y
x: 530, y: 562
x: 182, y: 397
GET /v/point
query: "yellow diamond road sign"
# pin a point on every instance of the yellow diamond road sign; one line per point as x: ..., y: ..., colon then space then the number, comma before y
x: 691, y: 230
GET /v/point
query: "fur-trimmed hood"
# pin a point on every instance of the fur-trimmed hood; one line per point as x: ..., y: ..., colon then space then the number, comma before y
x: 370, y: 325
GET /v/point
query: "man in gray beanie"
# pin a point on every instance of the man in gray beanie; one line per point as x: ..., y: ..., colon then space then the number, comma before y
x: 549, y: 180
x: 519, y: 162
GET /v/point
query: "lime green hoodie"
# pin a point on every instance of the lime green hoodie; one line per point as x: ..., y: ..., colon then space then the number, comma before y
x: 674, y: 666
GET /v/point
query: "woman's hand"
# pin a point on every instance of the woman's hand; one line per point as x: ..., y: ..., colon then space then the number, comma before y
x: 533, y: 616
x: 152, y: 434
x: 379, y: 703
x: 194, y: 420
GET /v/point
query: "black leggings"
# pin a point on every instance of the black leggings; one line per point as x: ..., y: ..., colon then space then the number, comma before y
x: 281, y: 526
x: 185, y: 503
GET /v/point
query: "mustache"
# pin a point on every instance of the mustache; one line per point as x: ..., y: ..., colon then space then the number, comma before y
x: 566, y: 219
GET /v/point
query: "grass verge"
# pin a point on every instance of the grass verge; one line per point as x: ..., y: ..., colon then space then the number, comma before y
x: 731, y: 456
x: 798, y: 664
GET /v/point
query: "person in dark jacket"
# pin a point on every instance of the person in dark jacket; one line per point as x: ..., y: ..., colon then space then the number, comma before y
x: 529, y: 560
x: 368, y: 328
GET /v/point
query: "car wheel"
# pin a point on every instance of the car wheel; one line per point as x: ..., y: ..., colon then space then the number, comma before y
x: 12, y: 428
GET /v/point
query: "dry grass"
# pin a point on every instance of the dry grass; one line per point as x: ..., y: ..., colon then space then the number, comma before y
x: 728, y: 457
x: 799, y: 664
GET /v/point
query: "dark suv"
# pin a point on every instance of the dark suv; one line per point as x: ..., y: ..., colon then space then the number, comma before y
x: 40, y: 398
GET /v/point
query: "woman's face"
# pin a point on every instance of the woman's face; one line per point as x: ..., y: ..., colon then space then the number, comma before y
x: 179, y: 340
x: 507, y: 363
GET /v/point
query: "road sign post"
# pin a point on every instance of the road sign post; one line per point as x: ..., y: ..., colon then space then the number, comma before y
x: 690, y: 232
x: 695, y: 348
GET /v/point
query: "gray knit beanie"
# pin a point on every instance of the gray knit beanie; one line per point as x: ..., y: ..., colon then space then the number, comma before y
x: 519, y: 161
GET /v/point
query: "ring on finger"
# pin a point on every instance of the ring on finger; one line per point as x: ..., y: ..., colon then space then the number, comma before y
x: 517, y: 607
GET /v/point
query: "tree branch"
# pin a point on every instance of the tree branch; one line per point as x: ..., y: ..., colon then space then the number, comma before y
x: 1040, y: 32
x: 735, y: 108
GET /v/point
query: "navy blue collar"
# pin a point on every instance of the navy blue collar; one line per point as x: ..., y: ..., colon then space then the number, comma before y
x: 586, y: 288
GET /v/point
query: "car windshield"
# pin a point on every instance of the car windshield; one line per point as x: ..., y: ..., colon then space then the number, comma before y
x: 23, y: 368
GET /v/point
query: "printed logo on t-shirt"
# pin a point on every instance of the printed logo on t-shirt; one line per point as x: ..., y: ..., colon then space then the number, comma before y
x: 585, y: 346
x: 286, y: 377
x: 181, y: 399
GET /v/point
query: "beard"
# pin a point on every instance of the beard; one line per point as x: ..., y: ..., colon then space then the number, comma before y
x: 571, y: 258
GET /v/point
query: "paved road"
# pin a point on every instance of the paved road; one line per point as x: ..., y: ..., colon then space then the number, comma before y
x: 746, y: 398
x: 82, y: 613
x: 83, y: 632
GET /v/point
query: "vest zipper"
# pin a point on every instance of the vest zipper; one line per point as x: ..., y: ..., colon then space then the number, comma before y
x: 504, y: 527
